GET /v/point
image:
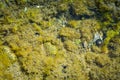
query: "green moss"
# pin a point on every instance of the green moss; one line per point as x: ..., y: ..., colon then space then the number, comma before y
x: 45, y: 24
x: 104, y: 72
x: 32, y: 15
x: 102, y: 61
x: 15, y: 29
x: 9, y: 19
x: 70, y: 46
x: 21, y: 2
x: 80, y: 7
x: 77, y: 41
x: 97, y: 59
x: 69, y: 33
x: 5, y: 61
x: 101, y: 66
x: 96, y: 49
x: 63, y: 6
x: 48, y: 38
x: 49, y: 65
x: 34, y: 34
x: 50, y: 49
x: 74, y: 24
x: 31, y: 63
x: 37, y: 28
x: 117, y: 27
x: 110, y: 35
x: 2, y: 6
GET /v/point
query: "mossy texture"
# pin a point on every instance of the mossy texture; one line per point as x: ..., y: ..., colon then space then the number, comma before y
x: 53, y: 40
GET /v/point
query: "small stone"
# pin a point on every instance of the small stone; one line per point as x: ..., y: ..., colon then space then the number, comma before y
x: 85, y: 45
x: 37, y: 6
x: 97, y: 36
x: 25, y: 9
x: 98, y: 42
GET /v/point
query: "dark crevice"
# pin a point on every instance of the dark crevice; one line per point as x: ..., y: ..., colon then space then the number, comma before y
x: 59, y: 13
x: 1, y: 15
x: 44, y: 76
x: 62, y: 38
x: 78, y: 17
x: 72, y: 11
x: 70, y: 14
x: 37, y: 34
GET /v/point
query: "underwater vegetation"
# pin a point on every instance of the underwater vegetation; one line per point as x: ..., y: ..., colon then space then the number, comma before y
x: 59, y: 40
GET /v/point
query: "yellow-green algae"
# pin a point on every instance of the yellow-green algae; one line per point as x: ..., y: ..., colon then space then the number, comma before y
x: 35, y: 45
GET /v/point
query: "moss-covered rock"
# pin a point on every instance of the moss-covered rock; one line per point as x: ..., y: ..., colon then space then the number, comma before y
x: 69, y: 33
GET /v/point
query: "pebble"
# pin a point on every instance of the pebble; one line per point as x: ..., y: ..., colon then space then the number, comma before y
x: 85, y: 45
x: 98, y: 42
x: 97, y: 36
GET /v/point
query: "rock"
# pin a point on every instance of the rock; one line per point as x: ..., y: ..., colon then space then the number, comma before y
x: 97, y: 36
x: 98, y: 42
